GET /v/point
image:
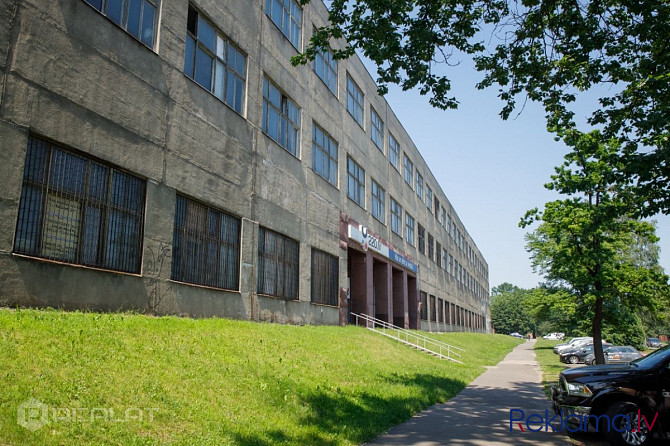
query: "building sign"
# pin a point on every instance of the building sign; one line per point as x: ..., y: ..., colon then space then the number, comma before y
x: 61, y: 228
x: 361, y: 235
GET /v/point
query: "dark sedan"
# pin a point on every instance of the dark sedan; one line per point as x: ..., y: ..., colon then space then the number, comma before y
x: 579, y: 354
x: 619, y: 354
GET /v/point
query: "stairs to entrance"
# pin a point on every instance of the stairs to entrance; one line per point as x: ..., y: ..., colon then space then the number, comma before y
x: 413, y: 339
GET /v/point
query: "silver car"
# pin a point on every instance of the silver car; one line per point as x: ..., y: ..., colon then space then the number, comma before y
x: 617, y: 354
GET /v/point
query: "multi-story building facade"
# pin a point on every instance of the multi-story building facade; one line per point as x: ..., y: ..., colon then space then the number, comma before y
x: 165, y: 156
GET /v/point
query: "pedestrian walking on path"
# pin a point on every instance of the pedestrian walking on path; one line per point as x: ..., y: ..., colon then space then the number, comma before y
x: 480, y: 414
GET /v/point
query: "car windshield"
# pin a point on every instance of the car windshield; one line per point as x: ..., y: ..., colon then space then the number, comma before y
x: 653, y: 359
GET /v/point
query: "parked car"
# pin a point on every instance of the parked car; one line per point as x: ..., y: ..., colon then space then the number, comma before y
x: 578, y: 354
x: 574, y: 342
x: 654, y: 343
x: 517, y: 335
x: 554, y: 336
x: 617, y: 354
x: 633, y: 399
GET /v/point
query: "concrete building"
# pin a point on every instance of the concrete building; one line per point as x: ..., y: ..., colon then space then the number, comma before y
x: 165, y: 156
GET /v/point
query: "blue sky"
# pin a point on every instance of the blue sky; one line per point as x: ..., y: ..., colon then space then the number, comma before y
x: 491, y: 170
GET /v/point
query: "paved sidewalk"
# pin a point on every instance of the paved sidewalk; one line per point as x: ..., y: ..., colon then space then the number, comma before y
x: 480, y: 414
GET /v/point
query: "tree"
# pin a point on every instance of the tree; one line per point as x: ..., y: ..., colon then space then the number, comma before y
x: 548, y: 51
x: 508, y: 310
x: 583, y: 242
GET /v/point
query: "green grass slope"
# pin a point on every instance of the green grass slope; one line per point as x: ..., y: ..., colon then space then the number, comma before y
x: 134, y: 380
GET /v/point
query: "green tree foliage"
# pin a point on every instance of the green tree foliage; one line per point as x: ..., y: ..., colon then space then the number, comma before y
x: 583, y: 242
x: 547, y: 51
x: 509, y: 311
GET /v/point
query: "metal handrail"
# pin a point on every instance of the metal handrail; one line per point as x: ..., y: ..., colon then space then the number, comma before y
x: 419, y: 341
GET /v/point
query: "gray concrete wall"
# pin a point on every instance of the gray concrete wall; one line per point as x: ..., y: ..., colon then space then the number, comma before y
x: 69, y: 74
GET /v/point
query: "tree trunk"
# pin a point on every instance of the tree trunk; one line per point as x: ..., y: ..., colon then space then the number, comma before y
x: 598, y: 332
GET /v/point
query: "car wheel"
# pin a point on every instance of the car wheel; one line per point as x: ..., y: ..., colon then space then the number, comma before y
x: 573, y: 359
x: 624, y: 431
x: 594, y: 362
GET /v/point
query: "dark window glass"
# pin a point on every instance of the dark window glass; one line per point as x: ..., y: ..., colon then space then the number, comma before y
x: 325, y: 277
x: 278, y: 258
x: 137, y: 17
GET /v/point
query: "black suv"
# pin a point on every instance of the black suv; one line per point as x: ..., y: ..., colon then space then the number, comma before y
x: 626, y: 402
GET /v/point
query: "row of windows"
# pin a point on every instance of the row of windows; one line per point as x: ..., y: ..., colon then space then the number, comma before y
x: 77, y: 210
x: 219, y: 66
x: 435, y: 309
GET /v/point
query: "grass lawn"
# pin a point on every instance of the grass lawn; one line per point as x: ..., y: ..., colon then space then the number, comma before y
x: 550, y: 365
x: 132, y: 380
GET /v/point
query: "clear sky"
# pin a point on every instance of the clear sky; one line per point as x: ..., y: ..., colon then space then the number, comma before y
x: 491, y: 170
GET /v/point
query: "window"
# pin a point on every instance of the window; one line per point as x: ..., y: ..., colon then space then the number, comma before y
x: 278, y: 258
x: 419, y: 185
x: 443, y: 221
x: 378, y: 200
x: 76, y: 210
x: 409, y: 229
x: 324, y: 155
x: 422, y: 239
x: 433, y: 312
x: 355, y: 182
x: 354, y: 101
x: 394, y: 152
x: 377, y: 130
x: 451, y: 265
x: 449, y: 225
x: 213, y: 62
x: 205, y: 246
x: 440, y: 310
x: 431, y: 248
x: 287, y: 15
x: 429, y: 197
x: 424, y: 306
x: 444, y: 259
x: 408, y: 171
x: 325, y: 68
x: 325, y: 278
x: 437, y: 209
x: 438, y: 254
x: 281, y: 117
x: 396, y: 217
x: 137, y: 17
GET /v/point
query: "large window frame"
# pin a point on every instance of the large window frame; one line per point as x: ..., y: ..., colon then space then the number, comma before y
x: 355, y: 101
x: 75, y: 209
x: 419, y: 185
x: 278, y: 265
x: 324, y: 155
x: 409, y: 228
x: 408, y: 171
x: 394, y: 152
x: 139, y: 18
x: 421, y: 231
x: 396, y: 217
x: 214, y: 62
x: 376, y: 129
x: 287, y: 16
x: 325, y: 67
x: 325, y: 278
x: 205, y: 245
x: 355, y: 182
x: 281, y: 118
x: 378, y: 202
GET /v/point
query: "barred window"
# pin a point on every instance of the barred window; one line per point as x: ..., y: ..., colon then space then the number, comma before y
x: 440, y: 310
x: 281, y: 117
x: 438, y: 254
x: 287, y: 15
x: 422, y: 239
x: 408, y: 171
x: 424, y: 306
x: 138, y: 17
x: 77, y: 210
x: 429, y: 197
x: 324, y: 155
x: 419, y: 185
x: 205, y: 245
x: 214, y: 62
x: 325, y: 68
x: 355, y: 182
x: 433, y: 312
x: 431, y: 248
x: 325, y: 278
x: 377, y: 129
x: 354, y: 101
x: 394, y: 152
x: 378, y: 201
x: 409, y: 229
x: 278, y: 259
x: 396, y: 217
